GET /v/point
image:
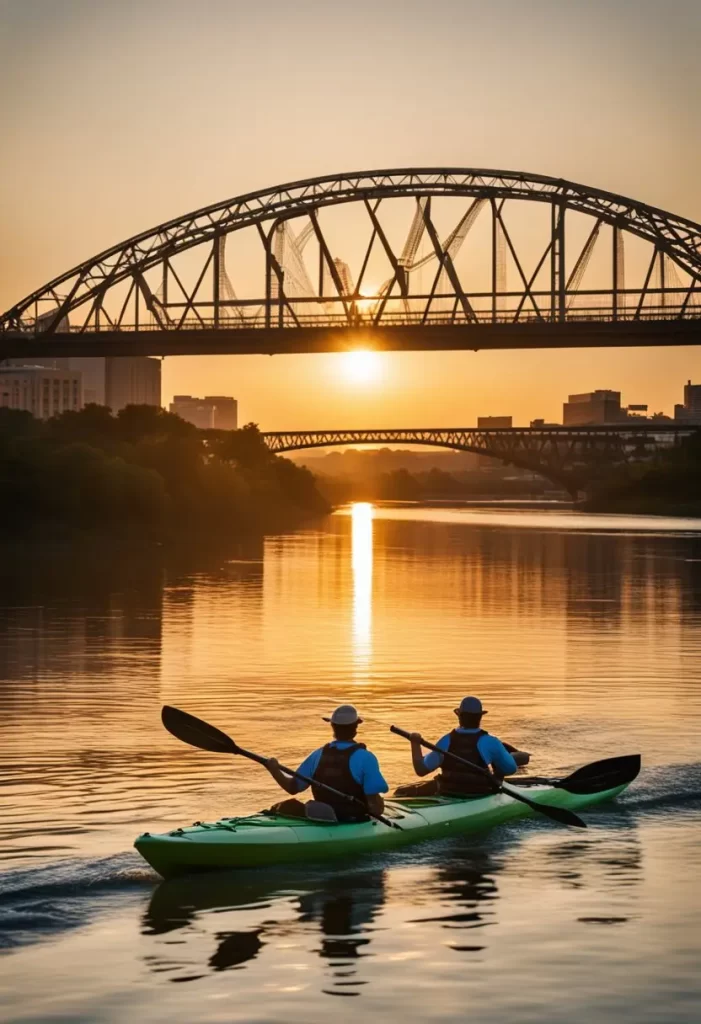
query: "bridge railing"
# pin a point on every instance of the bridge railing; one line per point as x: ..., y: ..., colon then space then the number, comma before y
x: 250, y: 314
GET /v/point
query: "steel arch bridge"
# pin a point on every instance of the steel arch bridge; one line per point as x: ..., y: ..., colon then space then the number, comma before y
x: 419, y: 258
x: 572, y: 457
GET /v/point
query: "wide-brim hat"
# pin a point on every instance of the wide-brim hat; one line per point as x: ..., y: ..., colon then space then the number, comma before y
x: 346, y: 714
x: 470, y: 706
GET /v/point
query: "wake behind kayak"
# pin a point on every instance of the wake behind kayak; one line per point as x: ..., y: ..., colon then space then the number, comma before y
x: 269, y: 839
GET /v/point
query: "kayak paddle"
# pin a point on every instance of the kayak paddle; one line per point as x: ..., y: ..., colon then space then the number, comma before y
x: 201, y: 734
x: 559, y: 814
x: 601, y: 775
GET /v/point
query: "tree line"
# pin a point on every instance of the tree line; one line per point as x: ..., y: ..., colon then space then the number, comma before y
x: 148, y: 469
x: 669, y: 483
x: 433, y: 484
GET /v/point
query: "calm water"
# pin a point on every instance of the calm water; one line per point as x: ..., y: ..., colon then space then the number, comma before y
x: 580, y: 633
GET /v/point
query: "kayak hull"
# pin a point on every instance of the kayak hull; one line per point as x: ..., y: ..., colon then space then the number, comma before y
x: 264, y: 840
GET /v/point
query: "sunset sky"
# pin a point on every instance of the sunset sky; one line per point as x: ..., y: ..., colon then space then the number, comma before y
x: 116, y: 117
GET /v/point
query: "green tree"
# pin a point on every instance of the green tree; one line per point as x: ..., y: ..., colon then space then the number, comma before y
x: 246, y: 447
x: 136, y: 422
x: 16, y: 423
x: 146, y: 467
x: 93, y: 424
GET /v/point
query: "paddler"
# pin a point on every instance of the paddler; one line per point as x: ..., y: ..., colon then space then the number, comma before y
x: 470, y: 742
x: 344, y: 764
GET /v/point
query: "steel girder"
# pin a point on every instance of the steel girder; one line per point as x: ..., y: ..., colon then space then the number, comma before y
x: 674, y: 237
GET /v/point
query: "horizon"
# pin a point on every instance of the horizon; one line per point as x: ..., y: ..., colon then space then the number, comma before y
x: 68, y: 88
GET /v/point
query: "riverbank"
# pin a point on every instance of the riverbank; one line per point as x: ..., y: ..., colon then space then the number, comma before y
x: 484, y: 502
x: 146, y: 473
x: 669, y: 485
x: 642, y: 505
x: 435, y: 485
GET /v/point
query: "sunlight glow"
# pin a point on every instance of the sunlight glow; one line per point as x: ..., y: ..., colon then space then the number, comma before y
x: 361, y: 562
x: 368, y: 304
x: 362, y: 366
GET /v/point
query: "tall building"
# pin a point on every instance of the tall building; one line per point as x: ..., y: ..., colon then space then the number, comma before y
x: 114, y: 381
x: 226, y: 414
x: 690, y: 411
x: 132, y: 380
x: 218, y: 412
x: 193, y: 410
x: 592, y: 408
x: 43, y: 391
x: 494, y: 422
x: 94, y: 374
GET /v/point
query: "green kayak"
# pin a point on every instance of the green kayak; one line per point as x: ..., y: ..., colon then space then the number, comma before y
x: 268, y: 839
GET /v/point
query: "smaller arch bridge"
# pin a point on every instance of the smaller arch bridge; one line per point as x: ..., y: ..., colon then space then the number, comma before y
x: 571, y: 457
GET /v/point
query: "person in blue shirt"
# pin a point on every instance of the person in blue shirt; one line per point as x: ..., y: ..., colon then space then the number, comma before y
x: 470, y: 742
x: 344, y: 764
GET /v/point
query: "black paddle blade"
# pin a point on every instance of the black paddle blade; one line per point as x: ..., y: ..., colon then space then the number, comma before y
x: 196, y: 732
x: 559, y: 814
x: 602, y: 775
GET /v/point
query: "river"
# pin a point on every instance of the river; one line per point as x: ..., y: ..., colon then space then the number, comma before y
x: 581, y: 634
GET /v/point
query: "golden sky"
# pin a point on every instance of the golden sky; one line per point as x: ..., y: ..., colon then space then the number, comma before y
x: 119, y: 115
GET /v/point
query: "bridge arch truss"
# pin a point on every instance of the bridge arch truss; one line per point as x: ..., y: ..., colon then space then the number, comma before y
x: 463, y: 251
x: 571, y: 457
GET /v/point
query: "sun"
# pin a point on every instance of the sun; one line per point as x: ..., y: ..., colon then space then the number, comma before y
x: 367, y: 304
x: 362, y: 366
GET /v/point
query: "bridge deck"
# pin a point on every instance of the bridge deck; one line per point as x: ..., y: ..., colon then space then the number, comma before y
x: 287, y: 340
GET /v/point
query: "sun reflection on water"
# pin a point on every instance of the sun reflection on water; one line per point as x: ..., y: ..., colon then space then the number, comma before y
x: 361, y: 561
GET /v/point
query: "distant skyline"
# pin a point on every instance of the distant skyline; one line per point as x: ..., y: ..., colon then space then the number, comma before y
x: 120, y: 116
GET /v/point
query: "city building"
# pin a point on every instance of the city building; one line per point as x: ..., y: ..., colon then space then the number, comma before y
x: 639, y: 415
x: 494, y: 422
x: 690, y: 411
x: 593, y: 407
x: 114, y: 381
x: 193, y: 410
x: 215, y: 412
x: 43, y: 391
x: 132, y: 380
x: 485, y: 463
x: 93, y: 374
x: 226, y: 413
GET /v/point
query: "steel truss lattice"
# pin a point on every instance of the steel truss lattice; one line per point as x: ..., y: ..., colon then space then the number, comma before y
x: 573, y: 457
x: 77, y: 301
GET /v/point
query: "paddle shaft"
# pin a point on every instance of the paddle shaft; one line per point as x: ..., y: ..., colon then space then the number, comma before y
x: 447, y: 753
x: 198, y: 733
x: 496, y: 786
x: 320, y: 785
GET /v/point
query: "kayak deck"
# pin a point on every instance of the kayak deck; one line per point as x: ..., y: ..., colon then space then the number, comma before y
x: 268, y: 839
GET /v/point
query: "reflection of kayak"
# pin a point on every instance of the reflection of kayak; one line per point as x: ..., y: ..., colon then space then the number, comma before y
x: 263, y: 839
x: 176, y: 902
x: 339, y: 906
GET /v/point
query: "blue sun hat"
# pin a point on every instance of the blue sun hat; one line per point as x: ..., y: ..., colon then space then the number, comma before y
x: 470, y: 706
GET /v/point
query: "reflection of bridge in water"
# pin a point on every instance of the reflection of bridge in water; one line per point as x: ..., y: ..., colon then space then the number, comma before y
x: 572, y: 457
x: 437, y: 258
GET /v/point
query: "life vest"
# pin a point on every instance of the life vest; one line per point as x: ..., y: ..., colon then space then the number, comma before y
x: 334, y: 770
x: 456, y: 778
